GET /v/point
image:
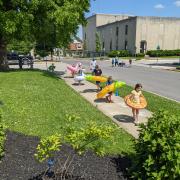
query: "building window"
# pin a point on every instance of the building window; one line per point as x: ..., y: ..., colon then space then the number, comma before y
x: 125, y: 45
x: 117, y: 31
x: 126, y: 29
x: 111, y: 45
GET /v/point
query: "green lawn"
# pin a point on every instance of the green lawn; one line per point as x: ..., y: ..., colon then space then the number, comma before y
x: 35, y: 103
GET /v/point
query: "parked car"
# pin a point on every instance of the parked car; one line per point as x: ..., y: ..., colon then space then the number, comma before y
x: 13, y: 59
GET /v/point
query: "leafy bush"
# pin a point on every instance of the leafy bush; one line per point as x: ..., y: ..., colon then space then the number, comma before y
x: 140, y: 55
x: 92, y: 136
x: 2, y: 138
x: 178, y: 67
x: 158, y: 148
x: 120, y: 53
x: 52, y: 67
x: 155, y: 53
x: 47, y: 147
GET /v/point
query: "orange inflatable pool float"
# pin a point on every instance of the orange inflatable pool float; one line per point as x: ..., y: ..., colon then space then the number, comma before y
x: 128, y: 100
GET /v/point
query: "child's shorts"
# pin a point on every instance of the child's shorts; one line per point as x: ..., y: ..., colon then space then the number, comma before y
x: 97, y: 82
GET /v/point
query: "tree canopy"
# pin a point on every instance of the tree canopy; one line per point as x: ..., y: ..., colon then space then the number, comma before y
x: 48, y: 23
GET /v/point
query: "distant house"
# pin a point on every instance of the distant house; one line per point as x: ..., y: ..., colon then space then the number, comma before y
x: 76, y: 45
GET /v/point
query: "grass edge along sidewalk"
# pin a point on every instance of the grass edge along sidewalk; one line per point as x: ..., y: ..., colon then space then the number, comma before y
x: 35, y: 103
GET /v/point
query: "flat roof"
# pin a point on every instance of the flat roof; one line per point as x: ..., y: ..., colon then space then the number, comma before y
x: 150, y: 17
x: 140, y: 17
x: 103, y: 14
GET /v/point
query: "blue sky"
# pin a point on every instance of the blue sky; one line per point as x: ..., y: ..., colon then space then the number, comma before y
x: 168, y: 8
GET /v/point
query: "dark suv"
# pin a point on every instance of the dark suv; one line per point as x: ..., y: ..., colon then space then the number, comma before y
x: 13, y: 59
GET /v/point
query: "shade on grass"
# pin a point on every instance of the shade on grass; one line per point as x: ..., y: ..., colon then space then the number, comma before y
x: 36, y: 103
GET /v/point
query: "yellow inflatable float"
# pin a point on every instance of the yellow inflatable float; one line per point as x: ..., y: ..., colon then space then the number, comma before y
x: 111, y: 88
x: 96, y: 78
x: 129, y: 101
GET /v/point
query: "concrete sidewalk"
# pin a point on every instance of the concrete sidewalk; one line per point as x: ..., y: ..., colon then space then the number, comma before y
x: 117, y: 111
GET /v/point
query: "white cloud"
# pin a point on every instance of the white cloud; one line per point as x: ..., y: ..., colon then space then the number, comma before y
x: 177, y: 3
x: 159, y: 6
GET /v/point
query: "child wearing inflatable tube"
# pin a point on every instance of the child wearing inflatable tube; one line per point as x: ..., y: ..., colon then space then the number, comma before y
x: 108, y: 97
x: 136, y: 101
x: 136, y: 93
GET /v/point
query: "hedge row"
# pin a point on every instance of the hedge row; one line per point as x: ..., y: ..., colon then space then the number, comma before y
x: 151, y: 53
x: 155, y: 53
x: 120, y: 53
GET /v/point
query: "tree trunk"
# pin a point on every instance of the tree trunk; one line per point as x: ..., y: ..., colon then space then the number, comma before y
x: 51, y: 54
x: 3, y: 54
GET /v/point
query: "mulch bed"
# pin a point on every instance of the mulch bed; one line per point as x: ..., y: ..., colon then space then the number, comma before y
x: 19, y: 163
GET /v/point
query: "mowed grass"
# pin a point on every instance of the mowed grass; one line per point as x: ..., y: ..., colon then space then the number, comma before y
x: 35, y: 103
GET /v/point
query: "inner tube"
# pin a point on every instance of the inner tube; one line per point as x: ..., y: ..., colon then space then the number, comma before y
x: 130, y: 103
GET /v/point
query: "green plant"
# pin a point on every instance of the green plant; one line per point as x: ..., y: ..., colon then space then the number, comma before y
x: 51, y: 67
x: 92, y: 136
x: 120, y: 53
x: 178, y: 67
x: 155, y: 53
x: 98, y: 43
x: 2, y: 138
x: 140, y: 55
x: 47, y: 147
x: 158, y: 148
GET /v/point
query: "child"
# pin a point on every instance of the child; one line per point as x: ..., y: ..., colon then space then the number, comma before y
x: 135, y: 97
x: 97, y: 72
x: 116, y: 61
x: 109, y: 82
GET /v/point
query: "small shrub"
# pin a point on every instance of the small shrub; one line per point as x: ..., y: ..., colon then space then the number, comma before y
x: 158, y: 148
x: 140, y: 55
x: 2, y: 138
x: 92, y: 136
x: 52, y: 67
x: 155, y: 53
x: 178, y: 67
x: 120, y: 53
x: 47, y: 147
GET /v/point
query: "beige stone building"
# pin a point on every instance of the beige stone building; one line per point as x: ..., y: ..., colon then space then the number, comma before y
x: 133, y: 33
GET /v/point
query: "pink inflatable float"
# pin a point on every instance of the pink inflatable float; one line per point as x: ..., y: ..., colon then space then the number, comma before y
x: 74, y: 69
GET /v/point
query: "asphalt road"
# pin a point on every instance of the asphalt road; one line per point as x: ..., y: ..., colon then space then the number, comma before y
x: 162, y: 82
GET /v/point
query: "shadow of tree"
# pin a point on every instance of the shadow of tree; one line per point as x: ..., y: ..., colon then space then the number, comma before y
x: 164, y: 64
x: 124, y: 118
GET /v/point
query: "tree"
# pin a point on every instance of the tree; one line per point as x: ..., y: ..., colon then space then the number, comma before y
x: 98, y: 43
x: 47, y: 23
x: 22, y: 47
